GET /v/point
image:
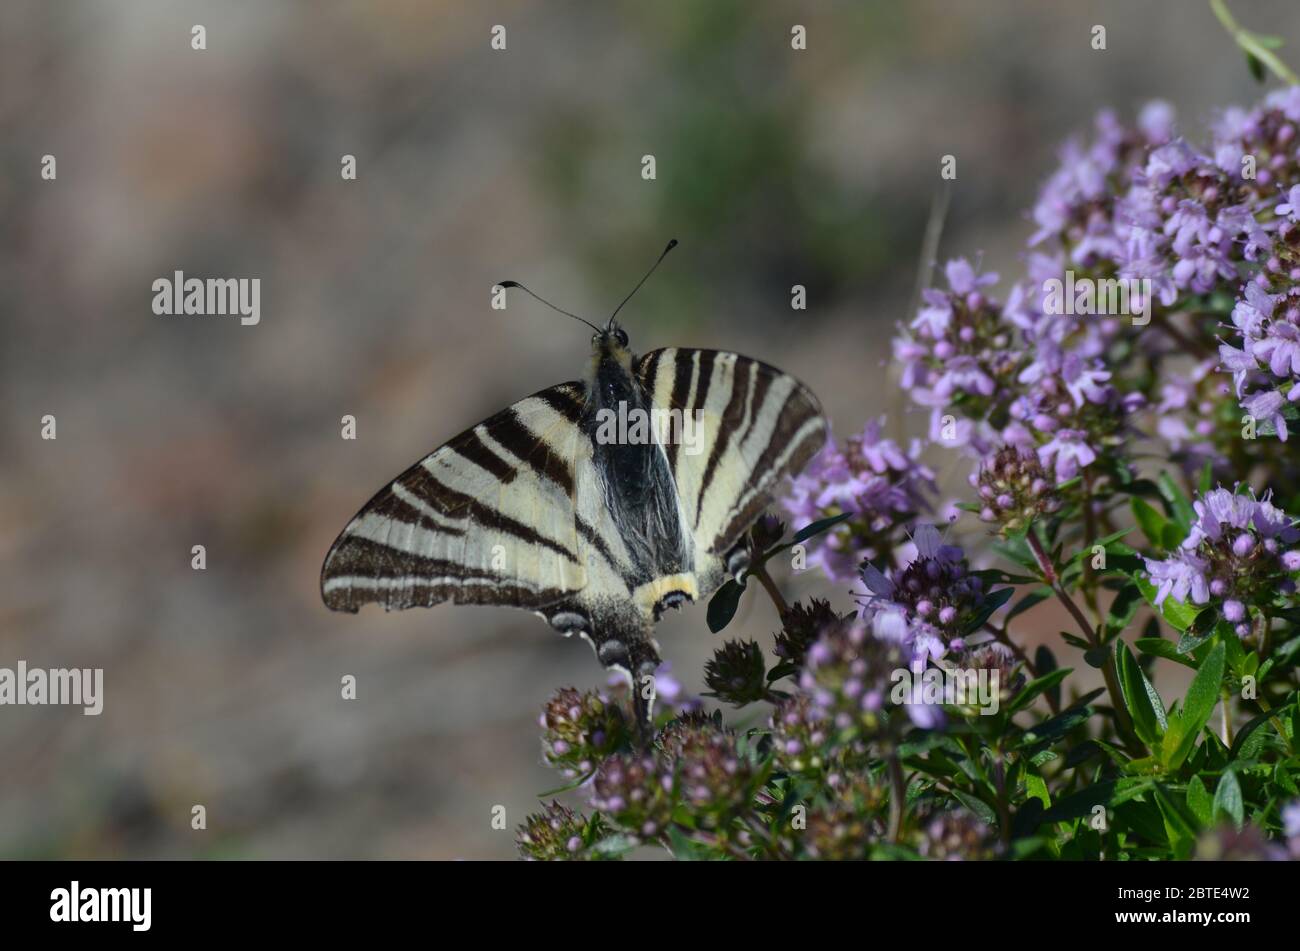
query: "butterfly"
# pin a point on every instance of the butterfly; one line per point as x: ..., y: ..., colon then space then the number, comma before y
x: 597, y: 504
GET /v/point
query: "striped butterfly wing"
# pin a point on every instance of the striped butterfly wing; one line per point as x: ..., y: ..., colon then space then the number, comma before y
x: 759, y: 426
x: 487, y: 518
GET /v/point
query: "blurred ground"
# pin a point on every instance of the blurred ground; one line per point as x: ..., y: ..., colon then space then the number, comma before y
x: 775, y: 167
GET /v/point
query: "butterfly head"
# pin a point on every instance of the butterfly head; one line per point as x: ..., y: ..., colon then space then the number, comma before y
x: 612, y: 337
x: 611, y: 346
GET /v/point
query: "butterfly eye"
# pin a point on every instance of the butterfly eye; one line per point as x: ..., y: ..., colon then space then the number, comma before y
x: 621, y: 337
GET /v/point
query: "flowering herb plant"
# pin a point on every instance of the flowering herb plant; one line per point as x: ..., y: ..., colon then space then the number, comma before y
x: 1134, y: 480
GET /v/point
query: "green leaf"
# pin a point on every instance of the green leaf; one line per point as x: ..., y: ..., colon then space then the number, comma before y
x: 722, y: 606
x: 1205, y: 482
x: 1042, y: 735
x: 1036, y: 687
x: 1097, y: 657
x: 1141, y: 699
x: 1036, y: 788
x: 993, y: 576
x: 1150, y: 521
x: 819, y: 526
x: 1256, y: 67
x: 1200, y: 802
x: 1180, y: 616
x: 1159, y: 647
x: 684, y: 848
x: 978, y: 806
x: 1180, y: 505
x: 1202, y: 696
x: 572, y: 784
x: 1227, y: 799
x: 1201, y: 630
x: 1245, y: 732
x: 994, y: 601
x: 1110, y: 793
x: 1180, y: 825
x: 615, y: 845
x: 784, y: 669
x: 1123, y: 608
x: 1016, y: 550
x: 1110, y: 544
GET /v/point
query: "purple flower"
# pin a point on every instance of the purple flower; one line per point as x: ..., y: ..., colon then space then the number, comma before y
x: 872, y: 477
x: 927, y: 605
x: 1076, y: 205
x: 1068, y: 452
x: 1013, y: 488
x: 1238, y: 553
x: 959, y: 347
x: 1180, y: 575
x: 1290, y: 208
x: 1291, y: 819
x: 846, y: 679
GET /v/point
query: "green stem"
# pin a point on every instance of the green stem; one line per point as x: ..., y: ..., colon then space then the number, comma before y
x: 897, y: 795
x: 760, y: 572
x: 1003, y: 806
x: 1250, y: 42
x: 1089, y: 583
x: 1123, y: 723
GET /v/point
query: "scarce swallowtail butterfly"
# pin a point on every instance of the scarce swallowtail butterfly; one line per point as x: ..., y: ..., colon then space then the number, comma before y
x: 585, y: 502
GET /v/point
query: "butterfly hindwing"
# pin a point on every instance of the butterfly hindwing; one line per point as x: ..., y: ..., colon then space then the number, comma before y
x: 757, y: 425
x: 487, y: 518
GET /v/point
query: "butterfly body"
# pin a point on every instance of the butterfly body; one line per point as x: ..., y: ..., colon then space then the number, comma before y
x: 596, y: 527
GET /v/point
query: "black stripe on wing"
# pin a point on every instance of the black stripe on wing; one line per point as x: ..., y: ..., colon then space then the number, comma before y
x: 793, y: 444
x: 394, y: 551
x: 798, y: 433
x: 401, y: 580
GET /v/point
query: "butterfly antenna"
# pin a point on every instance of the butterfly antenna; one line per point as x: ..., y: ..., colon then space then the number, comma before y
x: 549, y: 304
x: 671, y: 244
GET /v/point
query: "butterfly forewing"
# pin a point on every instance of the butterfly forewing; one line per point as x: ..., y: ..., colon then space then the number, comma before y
x: 488, y: 518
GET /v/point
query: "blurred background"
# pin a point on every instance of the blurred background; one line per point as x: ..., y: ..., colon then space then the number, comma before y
x: 774, y: 167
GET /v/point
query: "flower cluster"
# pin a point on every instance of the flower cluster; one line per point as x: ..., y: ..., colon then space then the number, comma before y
x: 1076, y: 206
x: 557, y: 832
x: 1238, y: 553
x: 1266, y: 367
x: 800, y: 735
x: 846, y: 675
x: 872, y: 477
x: 737, y: 674
x: 1187, y: 225
x: 635, y: 791
x: 927, y: 606
x: 957, y: 836
x: 712, y: 777
x: 579, y: 729
x: 999, y: 659
x: 1014, y: 489
x: 801, y: 626
x: 849, y: 824
x: 959, y: 348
